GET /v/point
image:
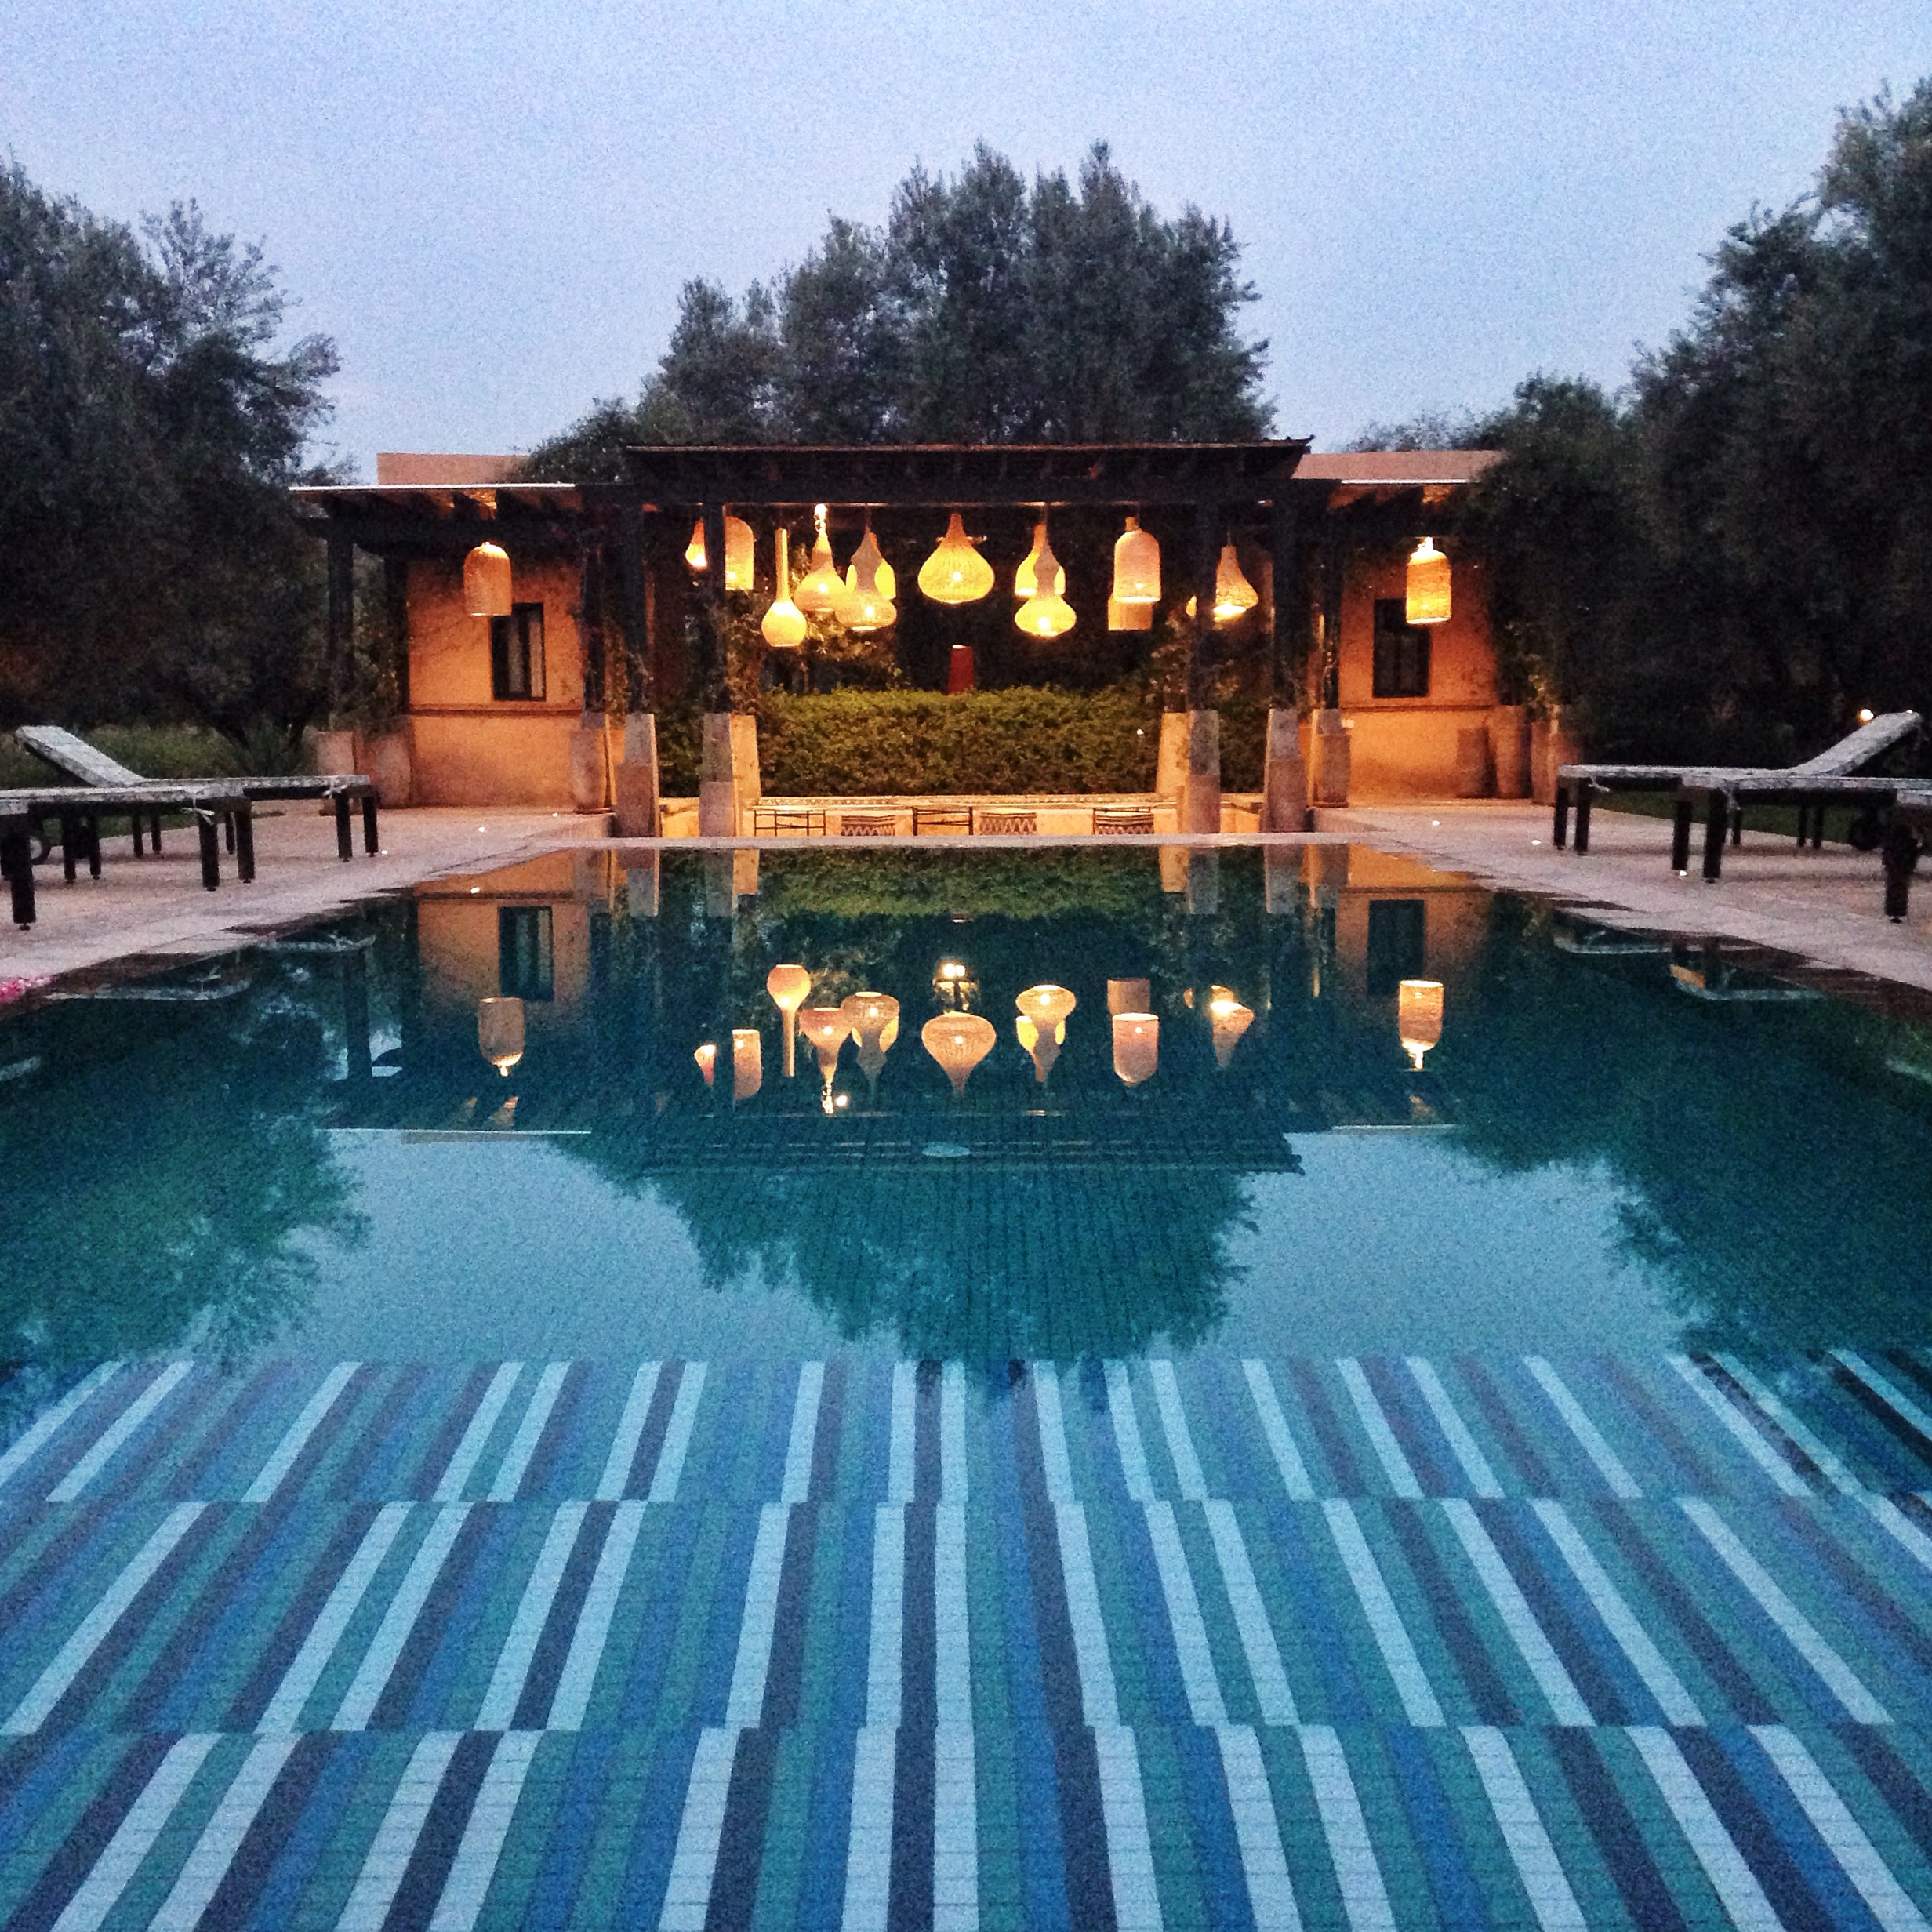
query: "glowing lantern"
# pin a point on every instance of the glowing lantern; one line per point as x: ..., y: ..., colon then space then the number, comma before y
x: 1228, y: 1020
x: 739, y: 568
x: 1129, y: 616
x: 1046, y: 614
x: 953, y: 984
x: 1136, y: 1046
x: 1233, y: 594
x: 959, y: 1042
x: 873, y: 1020
x: 707, y: 1057
x: 500, y: 1033
x: 784, y: 625
x: 1129, y: 996
x: 955, y: 573
x: 865, y: 605
x: 1428, y: 601
x: 694, y: 551
x: 747, y: 1061
x: 486, y: 581
x: 1136, y: 568
x: 789, y: 986
x: 819, y: 589
x: 1027, y: 579
x: 825, y: 1027
x: 1418, y: 1017
x: 1044, y: 1010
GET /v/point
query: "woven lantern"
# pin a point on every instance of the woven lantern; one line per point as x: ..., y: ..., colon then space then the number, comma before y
x: 819, y: 589
x: 1136, y: 1046
x: 707, y: 1057
x: 1418, y: 1017
x: 1041, y: 1026
x: 790, y: 987
x: 486, y: 581
x: 500, y: 1033
x: 865, y: 604
x: 739, y: 568
x: 825, y: 1027
x: 959, y: 1042
x: 747, y: 1061
x: 694, y: 551
x: 955, y: 573
x: 1136, y: 568
x: 1428, y: 587
x: 1129, y: 996
x: 1026, y: 578
x: 1129, y: 616
x: 1228, y: 1020
x: 783, y: 626
x: 1046, y: 614
x: 873, y: 1020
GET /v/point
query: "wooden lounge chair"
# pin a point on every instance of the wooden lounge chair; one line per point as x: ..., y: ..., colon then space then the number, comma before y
x: 1580, y: 783
x: 77, y: 759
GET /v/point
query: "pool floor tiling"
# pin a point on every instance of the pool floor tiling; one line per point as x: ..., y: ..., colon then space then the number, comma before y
x: 1215, y: 1642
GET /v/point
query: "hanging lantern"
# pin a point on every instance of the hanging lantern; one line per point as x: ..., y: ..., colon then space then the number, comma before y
x: 500, y: 1033
x: 1136, y: 1046
x: 707, y: 1057
x: 1129, y: 616
x: 784, y: 623
x: 1428, y: 601
x: 864, y: 605
x: 820, y: 588
x: 959, y: 1042
x: 747, y: 1061
x: 694, y: 551
x: 486, y: 581
x: 739, y: 567
x: 1046, y: 614
x: 789, y: 986
x: 1233, y: 594
x: 1026, y: 578
x: 1228, y: 1020
x: 955, y: 573
x: 1136, y: 567
x: 1418, y: 1017
x: 1129, y: 996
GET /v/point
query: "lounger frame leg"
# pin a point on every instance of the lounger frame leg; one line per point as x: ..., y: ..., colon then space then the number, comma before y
x: 1737, y: 825
x: 1681, y: 834
x: 371, y: 844
x: 92, y: 827
x: 243, y: 821
x: 153, y: 833
x: 227, y: 832
x: 1717, y: 822
x: 16, y: 861
x: 1804, y: 821
x: 134, y: 827
x: 1583, y: 794
x: 211, y: 849
x: 70, y: 847
x: 1560, y: 822
x: 1902, y: 848
x: 345, y: 845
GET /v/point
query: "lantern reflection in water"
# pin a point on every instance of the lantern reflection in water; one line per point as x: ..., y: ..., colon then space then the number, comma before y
x: 1129, y: 996
x: 707, y: 1057
x: 1043, y: 1013
x: 825, y: 1027
x: 747, y: 1061
x: 1136, y: 1046
x: 959, y: 1042
x: 789, y: 986
x: 1228, y: 1020
x: 500, y: 1033
x: 1418, y: 1017
x: 874, y: 1020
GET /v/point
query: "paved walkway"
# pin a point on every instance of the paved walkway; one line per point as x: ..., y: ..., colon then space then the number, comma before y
x: 1825, y: 905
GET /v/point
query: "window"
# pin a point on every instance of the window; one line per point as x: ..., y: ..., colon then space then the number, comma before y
x: 517, y: 652
x: 1395, y: 928
x: 524, y: 958
x: 1401, y: 652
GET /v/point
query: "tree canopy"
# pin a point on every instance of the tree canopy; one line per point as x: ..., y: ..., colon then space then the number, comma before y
x: 152, y: 418
x: 983, y: 310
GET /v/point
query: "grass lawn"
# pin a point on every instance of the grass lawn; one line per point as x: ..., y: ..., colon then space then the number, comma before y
x: 1780, y: 821
x: 158, y: 751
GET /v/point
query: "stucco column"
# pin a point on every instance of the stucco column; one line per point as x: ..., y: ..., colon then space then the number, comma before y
x: 718, y: 781
x: 1284, y: 775
x: 1332, y: 756
x: 589, y: 752
x: 335, y: 747
x: 1201, y: 787
x: 634, y: 784
x: 1170, y: 758
x: 1200, y: 795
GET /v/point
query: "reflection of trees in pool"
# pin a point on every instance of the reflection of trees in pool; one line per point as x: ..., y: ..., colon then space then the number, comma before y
x: 1778, y: 1176
x: 161, y: 1169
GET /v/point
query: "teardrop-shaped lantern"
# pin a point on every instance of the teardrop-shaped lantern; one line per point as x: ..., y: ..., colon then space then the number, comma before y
x: 864, y: 605
x: 955, y: 573
x: 1428, y: 600
x: 959, y: 1042
x: 790, y: 987
x: 1136, y: 1047
x: 825, y: 1027
x: 486, y: 581
x: 1228, y: 1020
x: 738, y: 566
x: 500, y: 1033
x: 784, y: 622
x: 1046, y: 614
x: 1136, y: 567
x: 1233, y: 594
x: 694, y: 551
x: 1026, y: 578
x: 873, y: 1018
x: 1418, y: 1017
x: 819, y: 589
x: 707, y: 1057
x: 1041, y: 1026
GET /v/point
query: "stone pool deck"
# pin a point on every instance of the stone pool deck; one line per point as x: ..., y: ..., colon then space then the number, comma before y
x: 1359, y: 1643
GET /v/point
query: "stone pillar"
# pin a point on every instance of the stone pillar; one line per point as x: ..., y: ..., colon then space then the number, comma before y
x: 335, y: 752
x: 1552, y: 744
x: 1170, y: 758
x: 717, y: 781
x: 387, y: 757
x: 1332, y: 755
x: 590, y: 758
x: 1200, y: 792
x: 1284, y: 775
x: 635, y: 791
x: 745, y: 759
x: 1200, y: 786
x: 1510, y: 746
x: 1474, y: 777
x: 642, y: 877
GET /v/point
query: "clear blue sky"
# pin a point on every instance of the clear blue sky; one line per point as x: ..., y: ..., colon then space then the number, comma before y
x: 491, y: 208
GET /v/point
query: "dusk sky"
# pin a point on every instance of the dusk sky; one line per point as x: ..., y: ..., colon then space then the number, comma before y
x: 491, y: 210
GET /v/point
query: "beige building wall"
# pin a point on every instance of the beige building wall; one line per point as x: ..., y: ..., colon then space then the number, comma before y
x: 467, y: 747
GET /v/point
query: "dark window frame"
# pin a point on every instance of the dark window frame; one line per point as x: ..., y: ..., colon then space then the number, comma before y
x: 1401, y: 652
x: 1398, y: 944
x: 526, y: 953
x: 516, y: 655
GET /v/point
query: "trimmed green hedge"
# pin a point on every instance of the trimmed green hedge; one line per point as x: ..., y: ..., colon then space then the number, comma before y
x: 924, y: 741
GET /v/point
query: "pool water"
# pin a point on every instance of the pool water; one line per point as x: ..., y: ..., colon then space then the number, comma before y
x: 1291, y: 1487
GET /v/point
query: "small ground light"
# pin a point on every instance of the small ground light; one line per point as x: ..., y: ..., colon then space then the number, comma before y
x: 475, y: 890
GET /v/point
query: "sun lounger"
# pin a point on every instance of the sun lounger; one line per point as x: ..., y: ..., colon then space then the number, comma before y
x: 73, y: 756
x: 1810, y: 784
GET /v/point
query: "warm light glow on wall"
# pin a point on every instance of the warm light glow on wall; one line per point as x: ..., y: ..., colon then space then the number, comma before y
x: 1136, y: 568
x: 500, y: 1033
x: 1136, y: 1047
x: 784, y: 627
x: 1428, y: 601
x: 959, y: 1042
x: 955, y: 573
x: 819, y: 589
x: 1418, y: 1017
x: 790, y: 987
x: 486, y: 581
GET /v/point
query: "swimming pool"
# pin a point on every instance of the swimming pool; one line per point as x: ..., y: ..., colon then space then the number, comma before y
x: 1217, y: 1472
